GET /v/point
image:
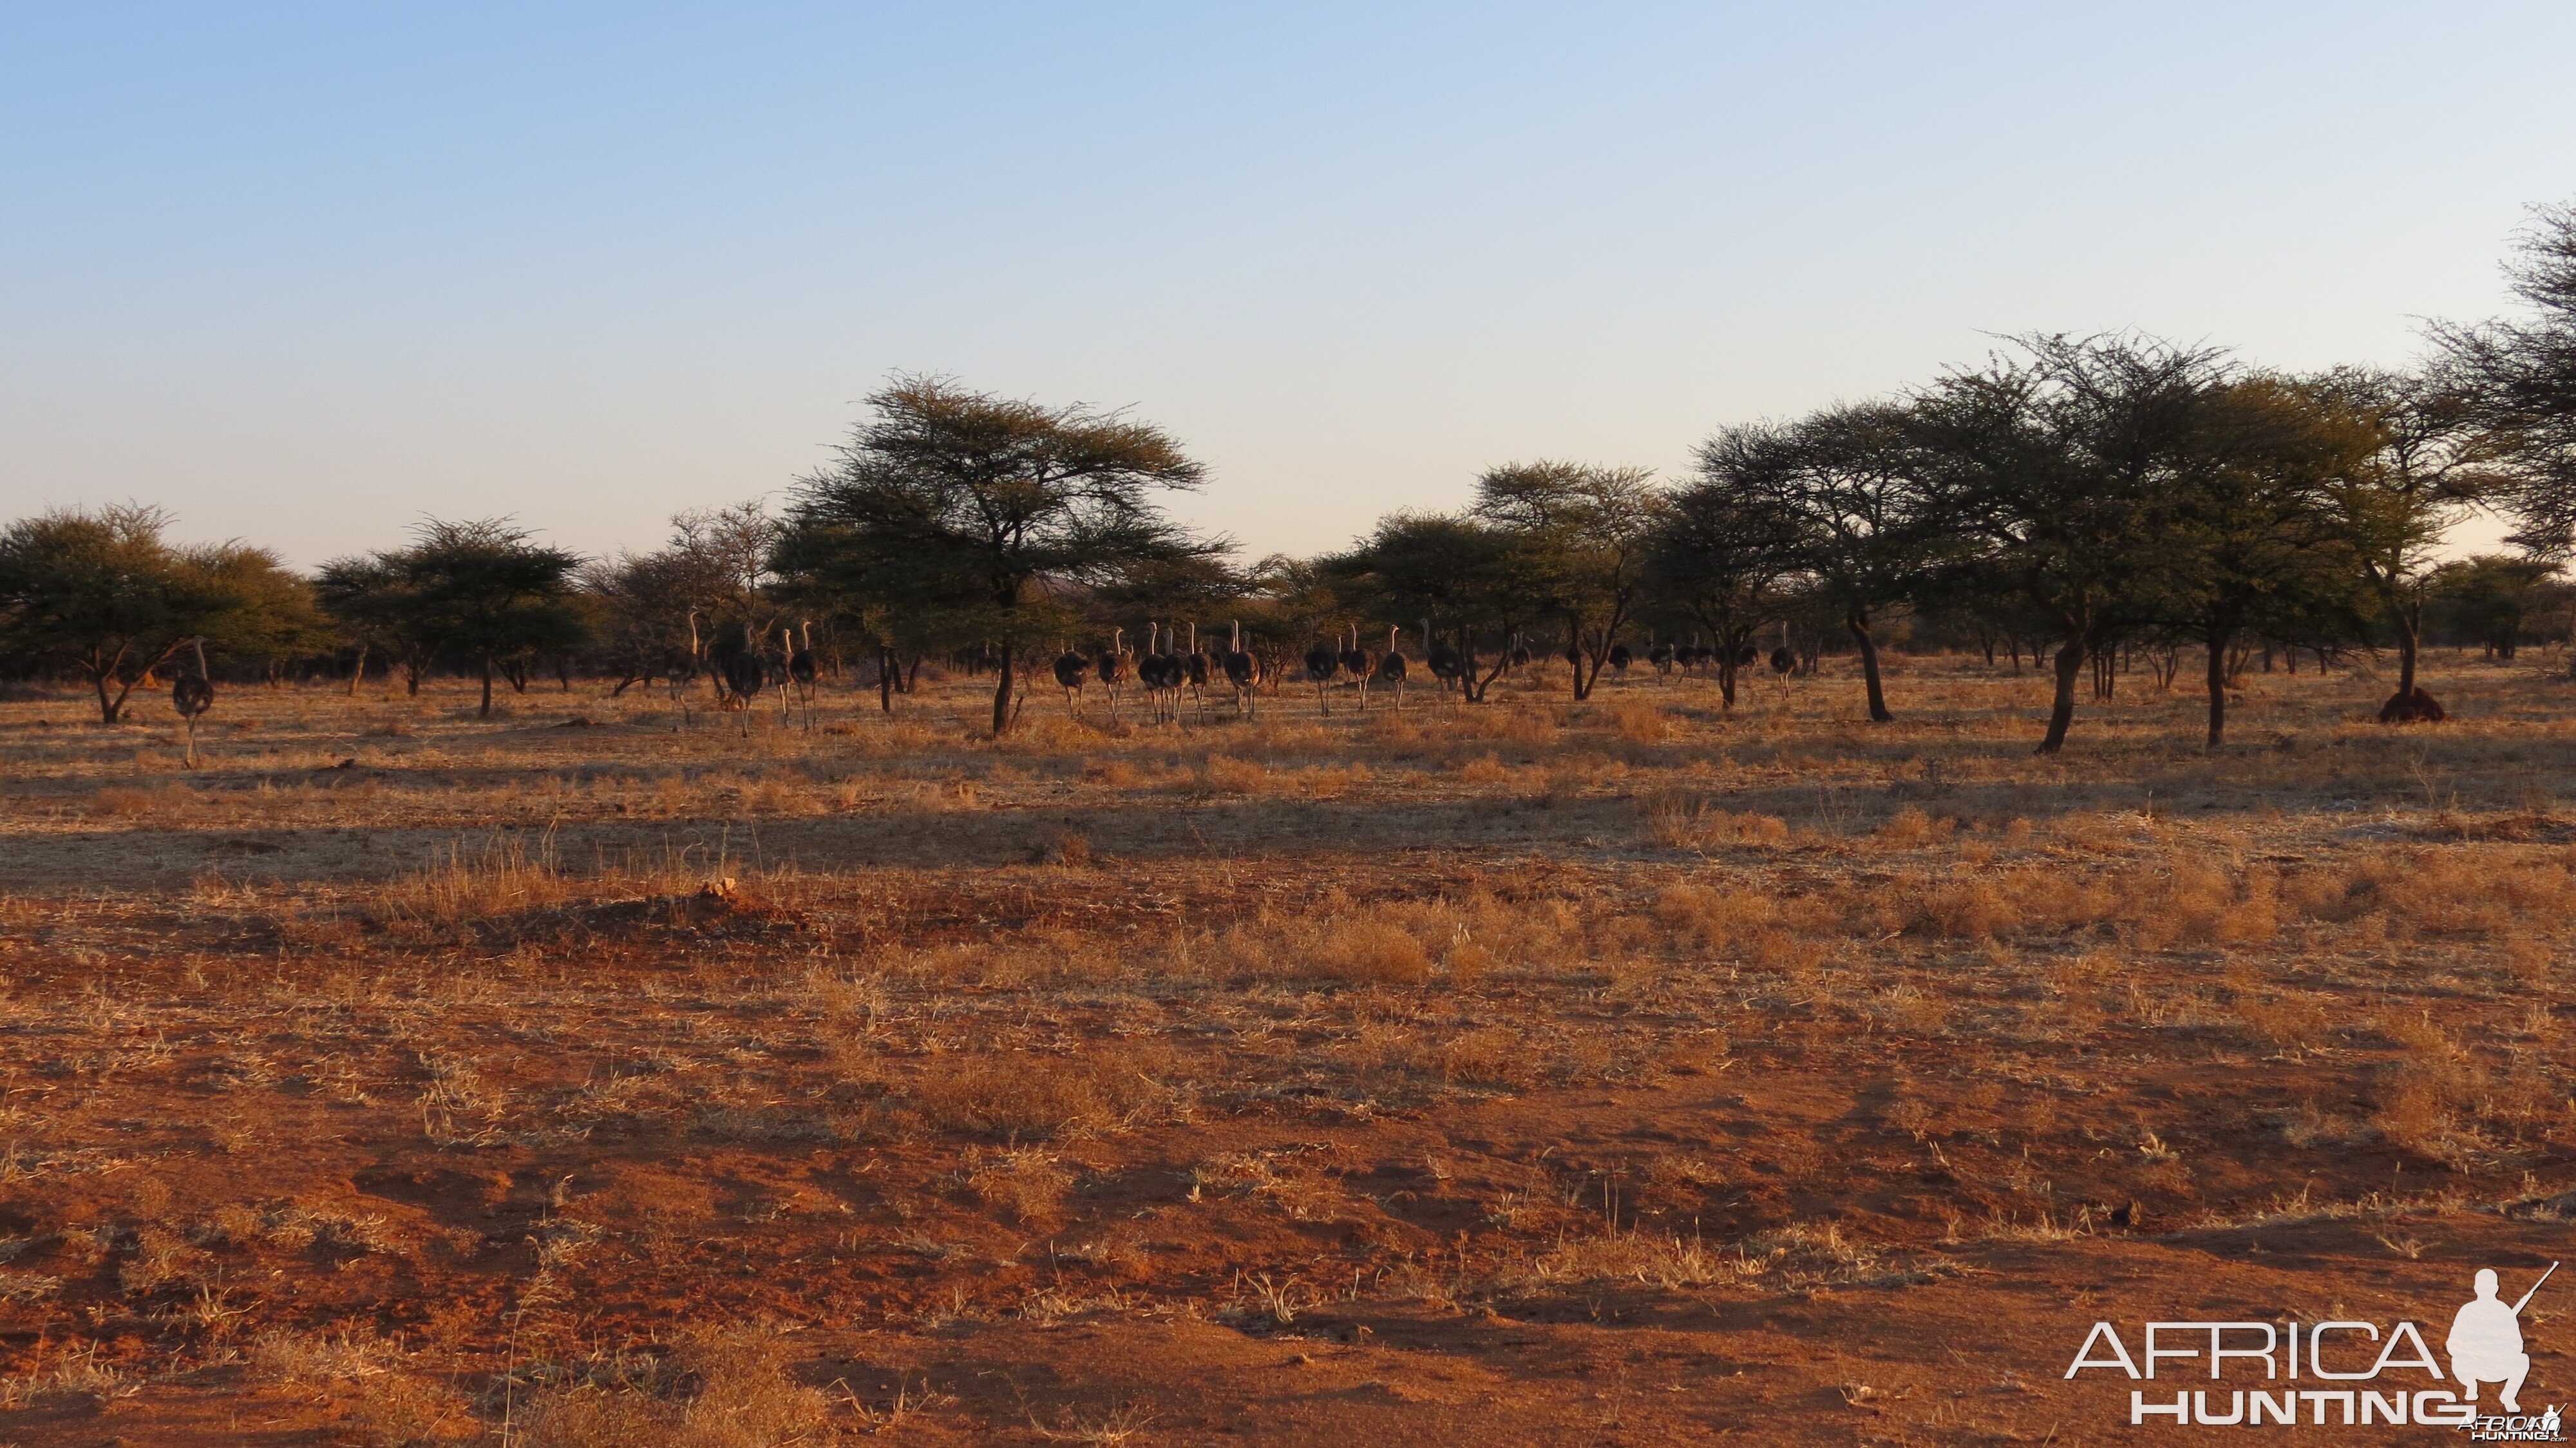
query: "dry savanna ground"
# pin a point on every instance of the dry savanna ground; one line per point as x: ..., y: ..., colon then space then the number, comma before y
x: 1530, y: 1073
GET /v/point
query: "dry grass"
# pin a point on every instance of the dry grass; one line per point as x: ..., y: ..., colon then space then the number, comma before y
x: 508, y: 1044
x: 726, y: 1389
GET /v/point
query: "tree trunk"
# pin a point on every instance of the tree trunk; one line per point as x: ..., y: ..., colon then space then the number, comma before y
x: 885, y: 678
x: 108, y: 708
x: 2410, y: 638
x: 1002, y: 694
x: 2070, y: 666
x: 1502, y: 664
x: 2216, y: 643
x: 487, y: 688
x: 1858, y: 622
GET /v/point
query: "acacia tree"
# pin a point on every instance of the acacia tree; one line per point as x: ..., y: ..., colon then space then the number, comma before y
x: 1579, y: 537
x: 1727, y: 551
x: 959, y: 500
x: 2257, y: 541
x: 706, y: 586
x: 2427, y: 467
x: 103, y: 595
x: 480, y: 591
x: 275, y: 616
x: 368, y: 597
x: 2065, y: 472
x: 1458, y: 575
x: 2519, y: 377
x: 1843, y: 478
x: 2491, y: 599
x: 493, y: 596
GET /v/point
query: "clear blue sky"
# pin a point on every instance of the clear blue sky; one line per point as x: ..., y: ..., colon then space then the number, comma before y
x: 304, y: 273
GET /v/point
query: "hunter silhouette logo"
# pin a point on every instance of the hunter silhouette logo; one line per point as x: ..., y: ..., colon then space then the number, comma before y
x: 2486, y: 1342
x: 2486, y: 1347
x: 2358, y: 1386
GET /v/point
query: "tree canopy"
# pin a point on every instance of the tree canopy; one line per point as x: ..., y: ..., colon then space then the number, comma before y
x: 973, y: 504
x: 104, y: 595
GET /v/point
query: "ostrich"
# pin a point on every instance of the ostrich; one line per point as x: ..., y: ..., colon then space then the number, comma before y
x: 1661, y: 656
x: 1446, y: 664
x: 1520, y: 654
x: 680, y: 670
x: 1243, y: 671
x: 1322, y: 662
x: 1149, y: 673
x: 193, y: 695
x: 1176, y: 672
x: 1391, y: 667
x: 1160, y: 671
x: 1357, y: 663
x: 745, y: 675
x: 1620, y: 658
x: 803, y: 669
x: 785, y: 678
x: 1195, y: 664
x: 1113, y: 667
x: 1783, y: 662
x: 1072, y: 671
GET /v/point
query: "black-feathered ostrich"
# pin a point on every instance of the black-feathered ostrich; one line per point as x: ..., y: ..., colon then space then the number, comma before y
x: 1195, y: 665
x: 791, y: 685
x: 1357, y: 663
x: 804, y: 670
x: 744, y: 674
x: 1160, y: 671
x: 192, y: 695
x: 1391, y: 667
x: 1072, y: 671
x: 1243, y: 673
x: 1114, y: 667
x: 1446, y: 664
x: 1661, y: 656
x: 1621, y: 656
x: 1322, y: 662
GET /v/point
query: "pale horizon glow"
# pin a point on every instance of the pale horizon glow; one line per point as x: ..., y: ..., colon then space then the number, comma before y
x: 305, y: 274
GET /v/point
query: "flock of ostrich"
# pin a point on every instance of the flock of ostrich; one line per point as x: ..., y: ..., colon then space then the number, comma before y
x: 1173, y: 663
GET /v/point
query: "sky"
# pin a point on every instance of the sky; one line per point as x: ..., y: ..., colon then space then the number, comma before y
x: 307, y: 274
